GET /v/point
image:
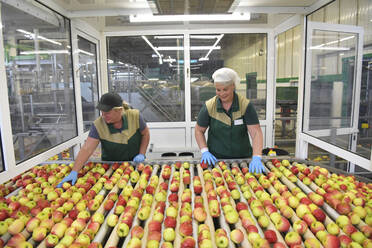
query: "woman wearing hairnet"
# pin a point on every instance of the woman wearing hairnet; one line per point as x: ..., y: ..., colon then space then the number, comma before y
x: 230, y: 117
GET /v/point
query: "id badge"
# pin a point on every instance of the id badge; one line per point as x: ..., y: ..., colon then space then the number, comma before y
x: 238, y: 122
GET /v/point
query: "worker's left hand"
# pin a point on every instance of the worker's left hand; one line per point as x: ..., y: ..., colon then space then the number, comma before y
x: 139, y: 158
x: 256, y: 166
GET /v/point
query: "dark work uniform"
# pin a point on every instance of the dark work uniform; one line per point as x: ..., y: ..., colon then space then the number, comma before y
x: 228, y: 134
x: 119, y: 144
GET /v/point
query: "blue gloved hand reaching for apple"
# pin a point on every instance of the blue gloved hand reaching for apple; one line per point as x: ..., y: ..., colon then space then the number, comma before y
x: 70, y: 177
x: 139, y: 158
x: 208, y: 158
x: 256, y: 165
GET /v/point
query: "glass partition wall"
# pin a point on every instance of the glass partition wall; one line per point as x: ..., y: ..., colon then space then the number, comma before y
x: 39, y: 78
x: 88, y: 80
x: 245, y: 53
x: 332, y: 89
x: 333, y: 70
x: 148, y: 72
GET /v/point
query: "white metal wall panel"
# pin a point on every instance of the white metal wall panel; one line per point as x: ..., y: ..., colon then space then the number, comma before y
x: 168, y: 137
x: 364, y: 20
x: 263, y: 60
x: 296, y: 50
x: 281, y: 57
x: 318, y: 16
x: 348, y: 12
x: 331, y: 13
x: 288, y: 53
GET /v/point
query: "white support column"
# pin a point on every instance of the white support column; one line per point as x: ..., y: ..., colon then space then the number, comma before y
x: 76, y: 76
x: 187, y: 76
x: 77, y: 87
x: 301, y: 146
x: 270, y: 89
x: 103, y: 85
x: 5, y: 123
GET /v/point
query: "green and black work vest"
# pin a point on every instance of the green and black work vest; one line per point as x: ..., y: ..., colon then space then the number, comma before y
x: 228, y: 137
x: 120, y: 145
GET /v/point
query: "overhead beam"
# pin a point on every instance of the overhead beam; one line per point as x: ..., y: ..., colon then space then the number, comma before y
x: 317, y: 5
x: 271, y: 10
x: 244, y: 7
x: 109, y: 12
x: 33, y: 10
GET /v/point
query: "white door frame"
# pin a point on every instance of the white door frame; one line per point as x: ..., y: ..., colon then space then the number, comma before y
x: 281, y: 28
x: 303, y: 139
x: 226, y: 29
x: 79, y: 28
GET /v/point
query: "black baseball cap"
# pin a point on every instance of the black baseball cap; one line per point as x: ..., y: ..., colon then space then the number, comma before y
x: 109, y: 101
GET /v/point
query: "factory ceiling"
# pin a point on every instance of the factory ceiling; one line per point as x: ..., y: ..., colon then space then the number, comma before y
x: 115, y: 13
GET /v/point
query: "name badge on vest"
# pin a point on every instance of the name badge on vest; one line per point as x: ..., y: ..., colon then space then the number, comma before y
x: 238, y: 122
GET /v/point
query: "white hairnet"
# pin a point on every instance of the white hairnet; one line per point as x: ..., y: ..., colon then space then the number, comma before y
x: 226, y: 76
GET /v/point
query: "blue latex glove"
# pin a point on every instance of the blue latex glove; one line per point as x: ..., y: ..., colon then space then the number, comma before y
x: 139, y: 158
x: 256, y: 166
x: 70, y: 177
x: 208, y: 158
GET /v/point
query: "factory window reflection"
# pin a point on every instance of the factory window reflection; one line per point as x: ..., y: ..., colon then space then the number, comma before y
x: 88, y: 81
x: 39, y: 78
x: 329, y: 97
x: 147, y: 71
x: 245, y: 53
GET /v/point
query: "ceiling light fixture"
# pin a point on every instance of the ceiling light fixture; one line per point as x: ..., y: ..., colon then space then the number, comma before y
x: 44, y: 52
x: 204, y: 37
x: 201, y: 37
x: 164, y: 37
x: 330, y: 48
x: 153, y: 48
x: 178, y: 48
x: 32, y: 35
x: 184, y: 18
x: 85, y: 52
x: 213, y: 47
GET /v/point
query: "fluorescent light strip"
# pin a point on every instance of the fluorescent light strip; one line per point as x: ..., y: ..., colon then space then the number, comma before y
x: 347, y: 38
x: 164, y: 37
x: 204, y: 37
x: 153, y: 48
x: 49, y: 40
x: 201, y: 37
x: 85, y: 52
x: 175, y: 48
x: 44, y: 52
x: 39, y: 36
x: 214, y: 45
x: 330, y: 48
x: 182, y: 18
x: 335, y: 41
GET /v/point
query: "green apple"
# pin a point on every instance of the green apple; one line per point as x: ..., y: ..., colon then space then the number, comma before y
x: 169, y: 234
x: 112, y: 220
x: 123, y: 230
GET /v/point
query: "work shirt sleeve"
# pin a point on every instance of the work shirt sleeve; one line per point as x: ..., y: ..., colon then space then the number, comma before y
x: 203, y: 117
x: 93, y: 133
x: 250, y: 116
x: 142, y: 123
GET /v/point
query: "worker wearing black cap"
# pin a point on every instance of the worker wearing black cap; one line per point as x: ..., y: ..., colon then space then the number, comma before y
x: 123, y: 134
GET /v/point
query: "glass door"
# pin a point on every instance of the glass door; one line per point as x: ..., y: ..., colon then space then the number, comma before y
x: 332, y: 84
x: 88, y: 80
